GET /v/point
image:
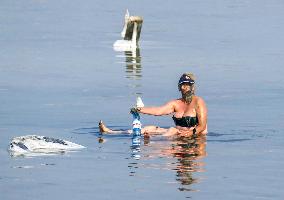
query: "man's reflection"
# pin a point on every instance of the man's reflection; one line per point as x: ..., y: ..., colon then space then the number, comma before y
x: 188, y: 153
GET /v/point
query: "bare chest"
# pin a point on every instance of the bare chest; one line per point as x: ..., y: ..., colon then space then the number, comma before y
x: 182, y: 109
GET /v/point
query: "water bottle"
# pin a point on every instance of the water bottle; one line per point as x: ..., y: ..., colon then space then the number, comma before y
x: 136, y: 135
x: 136, y: 124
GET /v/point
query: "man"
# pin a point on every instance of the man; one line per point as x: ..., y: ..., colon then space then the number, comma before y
x: 189, y: 112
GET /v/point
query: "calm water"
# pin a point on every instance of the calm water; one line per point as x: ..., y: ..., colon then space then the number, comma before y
x: 59, y: 76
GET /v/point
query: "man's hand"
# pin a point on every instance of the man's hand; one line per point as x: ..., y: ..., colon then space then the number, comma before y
x: 134, y: 110
x: 185, y: 133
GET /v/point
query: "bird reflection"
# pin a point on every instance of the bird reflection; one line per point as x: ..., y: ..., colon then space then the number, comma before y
x: 133, y: 68
x: 133, y: 64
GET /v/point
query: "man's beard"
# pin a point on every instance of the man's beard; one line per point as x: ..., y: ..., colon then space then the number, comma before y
x: 187, y: 97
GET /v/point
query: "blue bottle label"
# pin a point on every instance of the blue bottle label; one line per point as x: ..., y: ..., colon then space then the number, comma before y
x: 136, y: 127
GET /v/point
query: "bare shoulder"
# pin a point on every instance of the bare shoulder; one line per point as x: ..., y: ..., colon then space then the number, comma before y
x: 174, y: 103
x: 200, y: 101
x: 170, y: 103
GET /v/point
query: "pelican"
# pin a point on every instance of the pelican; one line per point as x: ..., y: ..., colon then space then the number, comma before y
x: 130, y: 33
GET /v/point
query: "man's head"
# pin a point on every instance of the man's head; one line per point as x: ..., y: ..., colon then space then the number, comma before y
x: 186, y: 78
x: 186, y: 86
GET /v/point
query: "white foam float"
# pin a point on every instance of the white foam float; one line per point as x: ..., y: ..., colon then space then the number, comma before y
x: 35, y: 144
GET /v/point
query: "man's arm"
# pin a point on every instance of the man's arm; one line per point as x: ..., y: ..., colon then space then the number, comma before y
x: 165, y: 109
x: 201, y: 112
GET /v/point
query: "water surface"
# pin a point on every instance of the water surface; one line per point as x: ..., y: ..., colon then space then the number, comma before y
x: 59, y: 76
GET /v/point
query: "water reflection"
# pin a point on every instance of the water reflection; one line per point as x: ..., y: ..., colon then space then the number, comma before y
x: 136, y: 152
x: 133, y: 68
x: 188, y: 153
x: 133, y: 64
x: 157, y: 152
x: 135, y: 147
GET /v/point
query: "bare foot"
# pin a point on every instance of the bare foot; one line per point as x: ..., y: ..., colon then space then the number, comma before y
x: 146, y: 138
x: 103, y: 128
x: 146, y: 135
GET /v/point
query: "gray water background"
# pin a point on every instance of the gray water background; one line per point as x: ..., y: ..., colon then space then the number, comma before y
x: 59, y: 75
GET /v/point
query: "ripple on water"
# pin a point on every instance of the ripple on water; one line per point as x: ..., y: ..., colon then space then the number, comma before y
x: 23, y: 167
x: 227, y: 138
x: 31, y: 166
